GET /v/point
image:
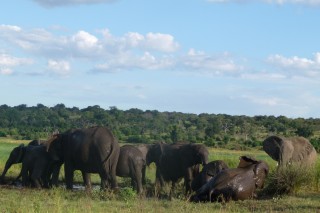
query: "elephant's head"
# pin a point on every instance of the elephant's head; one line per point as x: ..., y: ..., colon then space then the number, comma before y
x: 16, y: 156
x: 55, y: 147
x: 274, y: 146
x: 200, y: 154
x: 154, y: 153
x: 214, y: 167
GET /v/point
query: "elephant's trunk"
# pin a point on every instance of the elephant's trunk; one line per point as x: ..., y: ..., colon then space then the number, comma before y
x: 6, y: 168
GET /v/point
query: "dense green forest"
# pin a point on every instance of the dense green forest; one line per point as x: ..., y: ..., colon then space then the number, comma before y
x: 138, y: 126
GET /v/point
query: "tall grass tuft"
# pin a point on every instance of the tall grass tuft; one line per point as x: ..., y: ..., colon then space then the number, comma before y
x: 290, y: 180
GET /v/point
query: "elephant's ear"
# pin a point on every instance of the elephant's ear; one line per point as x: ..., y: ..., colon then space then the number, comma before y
x: 273, y: 147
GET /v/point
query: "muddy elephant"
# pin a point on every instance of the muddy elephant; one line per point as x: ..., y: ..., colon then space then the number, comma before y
x: 208, y: 171
x: 38, y: 169
x: 235, y: 184
x: 176, y: 161
x: 286, y: 151
x: 131, y: 164
x: 90, y: 150
x: 17, y: 155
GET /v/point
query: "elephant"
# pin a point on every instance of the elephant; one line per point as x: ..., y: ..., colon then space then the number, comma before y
x: 131, y: 164
x: 90, y: 150
x: 176, y: 161
x: 144, y: 149
x: 17, y: 155
x: 208, y: 171
x: 286, y: 151
x: 235, y: 184
x: 37, y: 167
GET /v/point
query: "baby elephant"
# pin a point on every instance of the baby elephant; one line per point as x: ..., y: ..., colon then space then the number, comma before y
x: 209, y: 171
x: 131, y: 164
x: 37, y: 168
x: 235, y: 184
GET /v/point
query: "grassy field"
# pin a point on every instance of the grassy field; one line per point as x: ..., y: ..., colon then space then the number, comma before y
x: 17, y: 199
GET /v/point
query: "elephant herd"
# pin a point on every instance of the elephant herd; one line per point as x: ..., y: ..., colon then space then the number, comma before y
x: 96, y: 150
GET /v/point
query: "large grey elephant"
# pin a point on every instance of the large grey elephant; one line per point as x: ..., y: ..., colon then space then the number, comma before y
x: 235, y: 184
x: 91, y: 150
x: 176, y: 161
x: 131, y: 164
x: 17, y: 155
x: 208, y: 171
x: 285, y: 151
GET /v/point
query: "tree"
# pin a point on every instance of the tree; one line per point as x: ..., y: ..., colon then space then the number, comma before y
x: 304, y: 131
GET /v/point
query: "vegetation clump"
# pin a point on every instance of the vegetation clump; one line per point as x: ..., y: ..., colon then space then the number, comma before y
x: 289, y: 180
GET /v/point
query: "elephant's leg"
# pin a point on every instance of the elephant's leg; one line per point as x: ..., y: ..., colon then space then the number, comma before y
x: 55, y: 174
x: 137, y: 181
x: 113, y: 177
x: 25, y: 176
x: 69, y: 172
x: 105, y: 178
x: 172, y: 190
x: 188, y: 179
x: 144, y: 175
x: 86, y: 180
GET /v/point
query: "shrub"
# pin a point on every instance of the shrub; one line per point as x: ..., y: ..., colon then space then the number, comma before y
x: 127, y: 194
x: 289, y: 180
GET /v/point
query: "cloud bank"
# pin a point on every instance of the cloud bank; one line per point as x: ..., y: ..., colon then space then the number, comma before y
x: 109, y: 53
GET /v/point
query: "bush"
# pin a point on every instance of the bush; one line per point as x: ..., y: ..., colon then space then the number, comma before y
x: 289, y: 180
x: 127, y: 194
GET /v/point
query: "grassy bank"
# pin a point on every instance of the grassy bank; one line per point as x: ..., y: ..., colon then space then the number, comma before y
x: 17, y: 199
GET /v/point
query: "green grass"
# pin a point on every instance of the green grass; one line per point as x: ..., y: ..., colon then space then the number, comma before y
x: 15, y: 199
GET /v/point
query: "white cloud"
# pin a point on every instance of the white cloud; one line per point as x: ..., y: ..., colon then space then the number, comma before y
x: 297, y: 66
x: 8, y: 62
x: 131, y: 62
x: 84, y: 40
x: 59, y: 67
x: 57, y: 3
x: 160, y: 42
x: 280, y: 2
x: 220, y: 64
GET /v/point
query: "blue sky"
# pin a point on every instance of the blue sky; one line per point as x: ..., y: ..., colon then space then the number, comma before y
x: 198, y: 56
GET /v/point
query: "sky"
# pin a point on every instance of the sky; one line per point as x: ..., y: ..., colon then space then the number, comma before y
x: 236, y: 57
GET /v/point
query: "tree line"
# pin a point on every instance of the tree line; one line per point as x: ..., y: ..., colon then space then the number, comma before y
x: 138, y: 126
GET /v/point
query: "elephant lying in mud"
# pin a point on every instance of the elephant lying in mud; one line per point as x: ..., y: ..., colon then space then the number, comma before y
x: 208, y: 171
x: 286, y: 151
x: 234, y: 184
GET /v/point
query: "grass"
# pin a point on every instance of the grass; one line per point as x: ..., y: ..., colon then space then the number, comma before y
x: 15, y: 199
